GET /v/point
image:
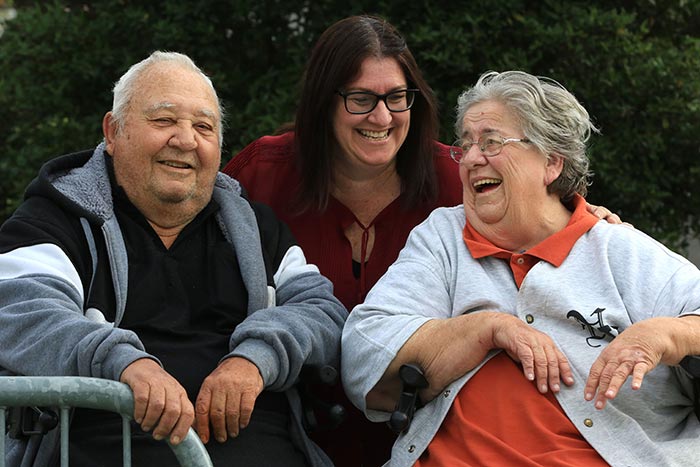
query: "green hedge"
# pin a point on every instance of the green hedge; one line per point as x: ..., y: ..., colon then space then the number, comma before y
x: 635, y: 65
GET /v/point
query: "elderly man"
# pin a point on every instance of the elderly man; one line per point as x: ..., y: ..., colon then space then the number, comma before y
x: 520, y: 285
x: 139, y: 262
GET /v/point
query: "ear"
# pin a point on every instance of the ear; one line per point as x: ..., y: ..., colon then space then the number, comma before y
x: 553, y: 168
x: 109, y: 130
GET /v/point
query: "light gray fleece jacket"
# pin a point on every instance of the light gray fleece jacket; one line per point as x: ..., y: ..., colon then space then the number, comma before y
x: 612, y: 267
x: 46, y: 268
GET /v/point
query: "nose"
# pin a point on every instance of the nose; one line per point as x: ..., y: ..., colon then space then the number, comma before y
x: 380, y: 114
x: 473, y: 157
x: 184, y: 137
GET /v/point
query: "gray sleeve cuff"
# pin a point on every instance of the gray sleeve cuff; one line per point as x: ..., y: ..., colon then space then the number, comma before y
x: 119, y: 357
x: 261, y: 355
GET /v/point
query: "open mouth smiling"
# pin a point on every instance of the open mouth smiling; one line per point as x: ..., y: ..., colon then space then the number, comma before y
x: 176, y: 164
x: 486, y: 184
x: 375, y: 135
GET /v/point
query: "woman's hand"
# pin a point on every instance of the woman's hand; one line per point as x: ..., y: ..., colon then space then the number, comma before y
x: 604, y: 213
x: 446, y: 349
x: 541, y: 359
x: 635, y: 352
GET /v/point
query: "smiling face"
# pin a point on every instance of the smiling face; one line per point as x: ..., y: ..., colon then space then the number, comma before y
x: 372, y: 139
x: 508, y: 190
x: 167, y: 154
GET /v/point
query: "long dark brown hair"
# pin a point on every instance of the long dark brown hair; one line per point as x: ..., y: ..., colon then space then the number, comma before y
x: 335, y: 61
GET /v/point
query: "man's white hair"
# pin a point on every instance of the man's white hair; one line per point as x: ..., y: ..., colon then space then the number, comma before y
x: 126, y: 86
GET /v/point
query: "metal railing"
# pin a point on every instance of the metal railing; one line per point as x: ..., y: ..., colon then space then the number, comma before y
x: 65, y: 392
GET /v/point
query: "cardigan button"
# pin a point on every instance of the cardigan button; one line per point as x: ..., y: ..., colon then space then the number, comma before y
x: 530, y: 319
x: 412, y: 448
x: 446, y: 394
x: 588, y: 422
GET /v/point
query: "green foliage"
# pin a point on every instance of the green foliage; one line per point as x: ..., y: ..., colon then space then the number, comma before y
x: 633, y: 64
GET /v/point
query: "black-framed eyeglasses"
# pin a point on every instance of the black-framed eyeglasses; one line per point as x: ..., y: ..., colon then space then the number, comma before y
x: 363, y: 102
x: 490, y: 145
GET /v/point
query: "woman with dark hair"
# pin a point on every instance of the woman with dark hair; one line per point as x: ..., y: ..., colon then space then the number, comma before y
x: 362, y: 166
x: 360, y: 169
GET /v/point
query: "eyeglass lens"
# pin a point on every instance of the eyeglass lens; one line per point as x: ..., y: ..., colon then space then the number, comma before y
x: 365, y: 102
x: 489, y: 145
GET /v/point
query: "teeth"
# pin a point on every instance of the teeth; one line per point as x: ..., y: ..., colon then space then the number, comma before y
x: 374, y: 134
x: 177, y: 165
x: 486, y: 181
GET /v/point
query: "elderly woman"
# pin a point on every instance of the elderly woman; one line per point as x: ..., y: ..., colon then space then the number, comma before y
x: 521, y: 285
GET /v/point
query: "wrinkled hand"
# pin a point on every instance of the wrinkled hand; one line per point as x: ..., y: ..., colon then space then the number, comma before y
x: 636, y: 351
x: 159, y: 400
x: 541, y: 359
x: 227, y: 398
x: 602, y: 212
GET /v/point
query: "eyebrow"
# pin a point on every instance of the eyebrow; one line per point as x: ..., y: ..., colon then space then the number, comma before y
x: 159, y: 106
x: 169, y: 105
x: 394, y: 89
x: 486, y: 130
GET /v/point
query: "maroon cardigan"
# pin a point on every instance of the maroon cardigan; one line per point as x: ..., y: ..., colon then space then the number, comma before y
x: 267, y: 170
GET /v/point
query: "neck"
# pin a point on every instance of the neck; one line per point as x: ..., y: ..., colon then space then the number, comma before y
x: 167, y: 236
x: 169, y: 221
x: 523, y: 231
x: 366, y: 193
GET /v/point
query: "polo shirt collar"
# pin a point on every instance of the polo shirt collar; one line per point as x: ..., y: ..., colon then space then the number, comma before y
x: 553, y: 249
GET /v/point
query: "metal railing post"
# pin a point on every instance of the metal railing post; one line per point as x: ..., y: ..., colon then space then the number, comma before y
x: 66, y: 392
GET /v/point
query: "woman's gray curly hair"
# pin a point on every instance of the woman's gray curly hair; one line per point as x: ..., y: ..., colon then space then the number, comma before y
x: 126, y: 86
x: 549, y: 116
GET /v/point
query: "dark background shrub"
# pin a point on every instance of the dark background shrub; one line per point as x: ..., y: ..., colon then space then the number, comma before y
x: 635, y: 65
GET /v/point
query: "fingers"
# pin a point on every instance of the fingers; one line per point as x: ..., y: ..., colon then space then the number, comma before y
x: 567, y: 375
x: 541, y: 359
x: 202, y: 406
x: 169, y: 413
x: 226, y: 400
x: 218, y: 410
x: 223, y: 412
x: 613, y: 218
x: 141, y: 396
x: 183, y: 423
x: 610, y: 217
x: 160, y: 402
x: 247, y: 404
x: 558, y: 369
x: 547, y: 366
x: 175, y: 419
x: 610, y: 371
x: 602, y: 212
x: 154, y: 407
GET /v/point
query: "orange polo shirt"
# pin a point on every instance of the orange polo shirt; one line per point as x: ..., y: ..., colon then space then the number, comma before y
x: 499, y: 418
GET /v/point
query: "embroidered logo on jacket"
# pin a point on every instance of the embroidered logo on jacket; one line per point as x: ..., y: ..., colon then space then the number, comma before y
x: 597, y: 329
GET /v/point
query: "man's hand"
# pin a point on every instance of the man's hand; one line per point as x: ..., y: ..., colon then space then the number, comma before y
x: 227, y: 398
x: 159, y: 400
